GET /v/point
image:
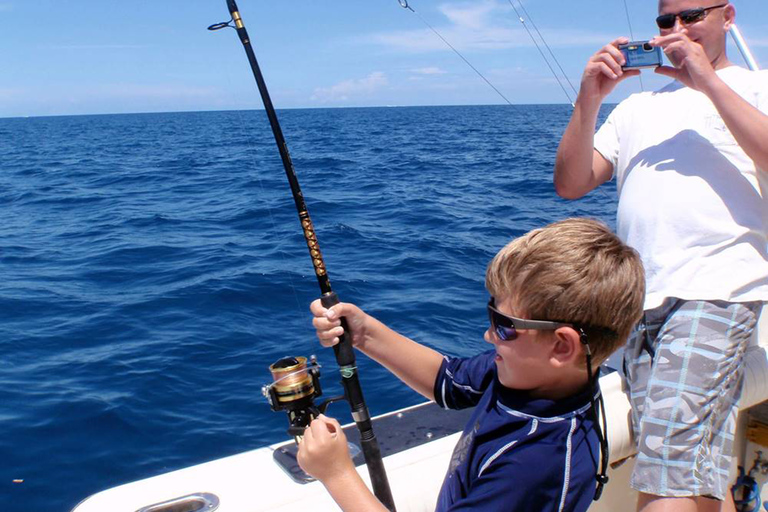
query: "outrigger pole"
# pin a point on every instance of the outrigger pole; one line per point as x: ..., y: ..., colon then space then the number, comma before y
x: 345, y: 356
x: 738, y: 39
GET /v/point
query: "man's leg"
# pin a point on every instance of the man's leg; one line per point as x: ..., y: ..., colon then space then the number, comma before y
x: 684, y: 385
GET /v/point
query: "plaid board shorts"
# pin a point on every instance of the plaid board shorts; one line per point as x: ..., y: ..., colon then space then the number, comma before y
x: 684, y: 370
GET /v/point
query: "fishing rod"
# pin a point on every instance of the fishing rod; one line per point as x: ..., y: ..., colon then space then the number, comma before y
x: 345, y: 356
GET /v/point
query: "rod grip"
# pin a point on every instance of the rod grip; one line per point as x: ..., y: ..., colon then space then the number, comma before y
x: 377, y: 472
x: 345, y: 354
x: 345, y: 357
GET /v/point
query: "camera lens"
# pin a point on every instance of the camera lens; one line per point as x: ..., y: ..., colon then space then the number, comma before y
x: 647, y: 47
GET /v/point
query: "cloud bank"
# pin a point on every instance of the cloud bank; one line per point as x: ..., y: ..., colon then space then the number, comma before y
x: 350, y: 90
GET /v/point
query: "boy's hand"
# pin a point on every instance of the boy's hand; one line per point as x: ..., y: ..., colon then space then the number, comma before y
x: 328, y: 324
x: 323, y: 451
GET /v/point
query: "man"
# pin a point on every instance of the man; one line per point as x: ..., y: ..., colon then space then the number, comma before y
x: 691, y: 164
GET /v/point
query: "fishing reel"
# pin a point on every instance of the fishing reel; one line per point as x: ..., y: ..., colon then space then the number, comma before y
x: 294, y: 389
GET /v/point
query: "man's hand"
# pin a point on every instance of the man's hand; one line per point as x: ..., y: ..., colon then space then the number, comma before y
x: 603, y: 72
x: 690, y: 61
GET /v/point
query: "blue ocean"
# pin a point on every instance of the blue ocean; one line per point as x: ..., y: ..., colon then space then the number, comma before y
x: 153, y: 267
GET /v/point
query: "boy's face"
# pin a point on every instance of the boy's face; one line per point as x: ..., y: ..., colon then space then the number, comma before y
x: 522, y: 363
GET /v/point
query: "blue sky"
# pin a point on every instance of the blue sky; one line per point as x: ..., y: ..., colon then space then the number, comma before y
x: 85, y: 57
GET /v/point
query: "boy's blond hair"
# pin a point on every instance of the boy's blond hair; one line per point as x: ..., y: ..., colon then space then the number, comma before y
x: 575, y: 271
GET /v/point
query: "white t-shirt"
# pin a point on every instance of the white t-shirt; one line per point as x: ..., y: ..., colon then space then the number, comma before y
x: 690, y: 200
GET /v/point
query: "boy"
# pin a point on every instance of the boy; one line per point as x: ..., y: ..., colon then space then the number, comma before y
x: 563, y: 298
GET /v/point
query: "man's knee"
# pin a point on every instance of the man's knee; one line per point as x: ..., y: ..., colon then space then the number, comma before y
x: 651, y: 503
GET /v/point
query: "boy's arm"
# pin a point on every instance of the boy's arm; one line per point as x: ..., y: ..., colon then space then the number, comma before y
x: 411, y: 362
x: 579, y: 168
x: 351, y: 495
x: 323, y: 454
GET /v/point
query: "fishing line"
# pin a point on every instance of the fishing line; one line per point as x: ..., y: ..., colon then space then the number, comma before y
x: 250, y: 144
x: 575, y: 92
x: 404, y: 4
x: 251, y: 147
x: 522, y: 21
x: 632, y: 37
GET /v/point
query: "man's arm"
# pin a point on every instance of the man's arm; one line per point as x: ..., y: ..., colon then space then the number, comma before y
x: 747, y: 124
x: 578, y: 167
x: 411, y: 362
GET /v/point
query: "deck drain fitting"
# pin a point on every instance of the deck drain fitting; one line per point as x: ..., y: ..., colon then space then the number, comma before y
x: 197, y: 502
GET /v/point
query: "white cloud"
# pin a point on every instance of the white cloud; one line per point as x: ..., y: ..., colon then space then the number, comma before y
x: 98, y: 47
x: 428, y: 71
x: 482, y: 25
x: 106, y: 98
x: 350, y: 89
x: 473, y: 16
x: 9, y: 94
x: 149, y: 92
x: 420, y: 41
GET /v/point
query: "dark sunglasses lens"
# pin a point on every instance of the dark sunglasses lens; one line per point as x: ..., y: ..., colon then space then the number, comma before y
x: 502, y: 326
x: 666, y: 21
x: 691, y: 16
x: 506, y: 333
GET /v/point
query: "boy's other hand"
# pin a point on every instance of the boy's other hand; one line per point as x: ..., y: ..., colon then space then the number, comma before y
x: 323, y: 451
x: 327, y: 322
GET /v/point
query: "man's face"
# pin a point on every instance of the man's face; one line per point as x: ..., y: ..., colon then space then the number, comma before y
x: 710, y: 32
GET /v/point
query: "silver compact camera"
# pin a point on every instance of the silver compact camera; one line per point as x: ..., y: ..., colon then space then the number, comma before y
x: 640, y: 54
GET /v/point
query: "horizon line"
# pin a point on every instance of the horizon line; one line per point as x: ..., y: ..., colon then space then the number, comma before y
x: 285, y: 108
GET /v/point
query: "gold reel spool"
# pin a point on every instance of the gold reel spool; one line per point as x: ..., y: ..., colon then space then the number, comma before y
x: 292, y: 380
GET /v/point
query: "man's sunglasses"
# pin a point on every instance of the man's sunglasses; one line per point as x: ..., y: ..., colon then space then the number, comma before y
x: 687, y: 17
x: 506, y: 326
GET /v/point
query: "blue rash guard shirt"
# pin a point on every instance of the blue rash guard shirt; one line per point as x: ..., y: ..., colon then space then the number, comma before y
x: 517, y: 453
